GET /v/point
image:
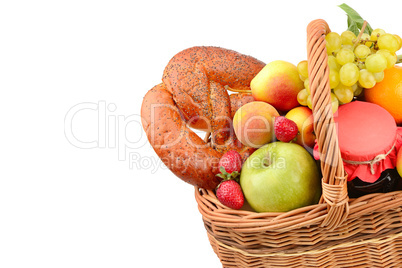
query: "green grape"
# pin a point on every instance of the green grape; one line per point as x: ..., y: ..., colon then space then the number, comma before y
x: 360, y: 64
x: 358, y: 91
x: 355, y: 87
x: 302, y: 68
x: 376, y: 63
x: 391, y: 57
x: 388, y: 42
x: 348, y: 74
x: 378, y: 76
x: 344, y: 93
x: 365, y: 39
x: 334, y: 42
x: 366, y: 79
x: 399, y: 40
x: 347, y: 37
x: 333, y: 64
x: 349, y: 47
x: 344, y: 56
x: 334, y: 102
x: 376, y: 33
x: 302, y: 77
x: 362, y: 51
x: 302, y: 97
x: 333, y: 78
x: 307, y: 85
x: 309, y: 104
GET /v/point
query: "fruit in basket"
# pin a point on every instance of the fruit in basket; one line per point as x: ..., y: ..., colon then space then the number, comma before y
x: 376, y: 63
x: 399, y: 162
x: 230, y: 194
x: 229, y: 191
x: 366, y: 79
x: 389, y: 42
x: 278, y: 84
x: 280, y: 177
x: 362, y: 51
x: 231, y: 161
x: 302, y: 68
x: 345, y: 55
x: 303, y: 117
x: 333, y: 42
x: 357, y: 59
x: 388, y: 93
x: 347, y: 37
x: 348, y: 74
x: 253, y: 123
x: 390, y: 57
x: 285, y: 129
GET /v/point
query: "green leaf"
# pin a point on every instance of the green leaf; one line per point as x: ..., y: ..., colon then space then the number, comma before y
x: 399, y: 59
x: 222, y: 170
x: 234, y: 175
x: 225, y: 176
x: 221, y: 176
x: 352, y: 26
x: 355, y: 20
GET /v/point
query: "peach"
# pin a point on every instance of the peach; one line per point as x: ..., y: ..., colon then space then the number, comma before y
x: 278, y: 84
x: 303, y: 117
x: 399, y: 162
x: 253, y: 123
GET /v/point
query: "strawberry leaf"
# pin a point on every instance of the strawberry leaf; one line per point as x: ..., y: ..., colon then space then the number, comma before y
x: 220, y: 175
x: 222, y: 170
x: 227, y: 176
x: 234, y: 174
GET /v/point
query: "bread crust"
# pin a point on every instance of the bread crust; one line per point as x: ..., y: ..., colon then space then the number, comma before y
x: 193, y: 95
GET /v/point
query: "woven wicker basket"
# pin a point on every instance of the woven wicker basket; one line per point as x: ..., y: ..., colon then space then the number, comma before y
x: 337, y: 232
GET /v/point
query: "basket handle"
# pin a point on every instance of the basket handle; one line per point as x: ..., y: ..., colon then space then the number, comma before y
x: 334, y: 181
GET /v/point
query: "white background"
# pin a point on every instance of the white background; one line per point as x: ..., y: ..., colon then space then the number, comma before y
x: 73, y: 75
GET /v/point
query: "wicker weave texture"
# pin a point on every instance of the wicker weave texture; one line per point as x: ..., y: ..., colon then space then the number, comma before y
x: 375, y: 253
x: 371, y: 236
x: 337, y: 232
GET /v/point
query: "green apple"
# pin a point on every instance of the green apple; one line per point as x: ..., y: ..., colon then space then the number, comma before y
x: 279, y: 177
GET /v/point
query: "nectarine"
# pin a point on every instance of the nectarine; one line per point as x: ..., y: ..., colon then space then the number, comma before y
x: 278, y: 84
x: 303, y: 117
x: 253, y: 123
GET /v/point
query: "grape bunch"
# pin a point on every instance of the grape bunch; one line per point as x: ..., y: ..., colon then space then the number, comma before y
x: 355, y: 63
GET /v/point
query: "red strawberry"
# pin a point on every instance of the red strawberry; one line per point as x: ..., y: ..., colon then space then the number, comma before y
x: 231, y: 161
x: 285, y: 129
x: 229, y: 193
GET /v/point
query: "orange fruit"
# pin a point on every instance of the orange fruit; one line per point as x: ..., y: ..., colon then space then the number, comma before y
x: 388, y: 93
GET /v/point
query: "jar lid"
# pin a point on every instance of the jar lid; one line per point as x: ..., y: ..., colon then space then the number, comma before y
x: 365, y: 132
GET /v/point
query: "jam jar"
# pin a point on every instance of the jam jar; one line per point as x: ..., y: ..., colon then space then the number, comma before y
x: 389, y: 181
x: 369, y: 140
